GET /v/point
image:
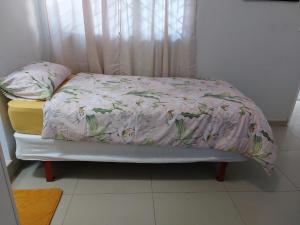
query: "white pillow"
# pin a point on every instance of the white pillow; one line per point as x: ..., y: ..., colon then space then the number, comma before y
x: 35, y: 81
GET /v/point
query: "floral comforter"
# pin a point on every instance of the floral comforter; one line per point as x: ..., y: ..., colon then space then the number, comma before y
x: 159, y: 111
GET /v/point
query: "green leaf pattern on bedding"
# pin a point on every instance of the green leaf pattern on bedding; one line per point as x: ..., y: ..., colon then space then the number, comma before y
x: 177, y: 112
x: 95, y: 130
x: 145, y: 94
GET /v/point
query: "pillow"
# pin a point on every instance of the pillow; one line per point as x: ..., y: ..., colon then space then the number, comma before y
x: 35, y: 81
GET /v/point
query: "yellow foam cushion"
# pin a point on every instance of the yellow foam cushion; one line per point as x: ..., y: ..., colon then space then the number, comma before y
x: 26, y: 117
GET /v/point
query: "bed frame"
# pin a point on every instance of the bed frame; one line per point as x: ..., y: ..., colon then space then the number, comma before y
x: 50, y: 176
x: 33, y: 147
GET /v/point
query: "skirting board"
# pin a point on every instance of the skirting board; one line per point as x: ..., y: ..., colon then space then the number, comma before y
x: 13, y: 168
x: 278, y: 123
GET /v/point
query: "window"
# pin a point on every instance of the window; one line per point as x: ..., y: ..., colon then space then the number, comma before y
x: 142, y: 19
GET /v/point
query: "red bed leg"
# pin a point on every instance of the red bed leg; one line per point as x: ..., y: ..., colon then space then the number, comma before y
x: 221, y: 171
x: 48, y: 171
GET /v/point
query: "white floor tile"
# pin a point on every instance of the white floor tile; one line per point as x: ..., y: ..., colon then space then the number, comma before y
x: 61, y: 210
x: 250, y: 176
x: 32, y: 177
x: 105, y: 209
x: 289, y: 164
x: 272, y: 208
x: 113, y: 178
x: 195, y: 209
x: 185, y: 178
x: 286, y: 139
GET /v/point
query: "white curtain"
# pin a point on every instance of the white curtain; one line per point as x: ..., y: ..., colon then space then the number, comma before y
x: 136, y: 37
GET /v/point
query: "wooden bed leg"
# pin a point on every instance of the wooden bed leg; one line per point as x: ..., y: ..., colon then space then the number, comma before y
x: 221, y: 171
x: 48, y: 171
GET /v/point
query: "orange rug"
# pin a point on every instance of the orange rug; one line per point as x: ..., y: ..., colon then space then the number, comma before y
x: 37, y: 207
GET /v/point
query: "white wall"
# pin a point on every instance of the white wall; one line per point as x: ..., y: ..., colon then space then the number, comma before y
x: 255, y: 45
x: 20, y: 44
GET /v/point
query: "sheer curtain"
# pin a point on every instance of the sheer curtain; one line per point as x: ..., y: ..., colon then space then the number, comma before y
x: 136, y: 37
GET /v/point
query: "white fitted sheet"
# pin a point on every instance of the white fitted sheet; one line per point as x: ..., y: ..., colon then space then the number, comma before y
x: 33, y: 147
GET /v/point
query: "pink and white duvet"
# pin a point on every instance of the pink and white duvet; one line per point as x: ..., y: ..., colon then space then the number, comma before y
x: 159, y: 111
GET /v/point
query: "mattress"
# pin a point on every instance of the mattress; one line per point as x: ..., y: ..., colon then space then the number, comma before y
x: 33, y: 147
x: 26, y: 116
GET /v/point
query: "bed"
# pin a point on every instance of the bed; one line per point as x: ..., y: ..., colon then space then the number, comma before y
x: 107, y: 118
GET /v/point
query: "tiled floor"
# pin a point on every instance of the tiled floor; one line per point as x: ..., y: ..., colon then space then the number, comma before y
x: 121, y: 194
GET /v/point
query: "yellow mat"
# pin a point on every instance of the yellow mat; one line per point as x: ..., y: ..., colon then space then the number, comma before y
x: 37, y: 207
